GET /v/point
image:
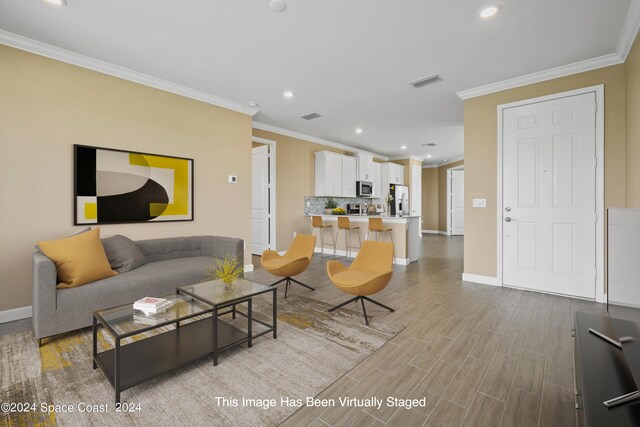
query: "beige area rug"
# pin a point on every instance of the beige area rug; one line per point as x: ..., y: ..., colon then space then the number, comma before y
x: 314, y: 348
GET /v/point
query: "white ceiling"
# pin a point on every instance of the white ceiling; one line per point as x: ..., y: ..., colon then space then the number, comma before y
x: 350, y: 61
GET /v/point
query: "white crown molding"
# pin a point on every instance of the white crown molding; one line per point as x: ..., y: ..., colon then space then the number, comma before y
x: 553, y: 73
x: 305, y: 137
x: 629, y: 30
x: 429, y: 166
x: 625, y: 43
x: 63, y: 55
x: 451, y: 160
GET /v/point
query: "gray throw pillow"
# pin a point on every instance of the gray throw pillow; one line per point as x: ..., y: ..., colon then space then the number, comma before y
x: 123, y: 254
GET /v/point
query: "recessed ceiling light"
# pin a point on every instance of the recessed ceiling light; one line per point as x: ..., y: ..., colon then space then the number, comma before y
x: 254, y: 104
x: 428, y: 156
x: 489, y: 11
x: 288, y: 94
x: 57, y: 3
x: 277, y: 5
x: 403, y: 147
x: 358, y: 130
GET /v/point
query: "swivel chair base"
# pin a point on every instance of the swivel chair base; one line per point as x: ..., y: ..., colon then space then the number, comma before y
x: 364, y: 310
x: 288, y: 282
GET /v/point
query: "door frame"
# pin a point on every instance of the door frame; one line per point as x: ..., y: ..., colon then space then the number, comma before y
x: 600, y: 295
x: 449, y: 189
x: 272, y: 188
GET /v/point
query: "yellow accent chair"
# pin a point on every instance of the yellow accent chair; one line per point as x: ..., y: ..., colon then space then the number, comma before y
x: 293, y: 262
x: 368, y: 274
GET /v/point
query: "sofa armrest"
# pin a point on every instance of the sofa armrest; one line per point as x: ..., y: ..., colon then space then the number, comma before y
x: 44, y: 291
x: 221, y: 247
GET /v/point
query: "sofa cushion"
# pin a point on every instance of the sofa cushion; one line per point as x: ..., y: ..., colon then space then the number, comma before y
x: 123, y: 254
x: 79, y: 259
x: 154, y: 279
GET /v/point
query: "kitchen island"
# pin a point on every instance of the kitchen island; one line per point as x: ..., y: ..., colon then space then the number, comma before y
x: 405, y: 233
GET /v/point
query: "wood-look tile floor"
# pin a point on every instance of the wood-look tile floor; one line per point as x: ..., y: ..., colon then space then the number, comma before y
x: 480, y: 355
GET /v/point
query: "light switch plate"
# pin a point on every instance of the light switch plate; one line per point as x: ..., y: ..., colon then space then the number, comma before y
x: 479, y: 203
x: 233, y: 179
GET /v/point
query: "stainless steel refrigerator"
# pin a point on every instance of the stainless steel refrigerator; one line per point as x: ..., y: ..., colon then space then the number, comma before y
x: 400, y: 203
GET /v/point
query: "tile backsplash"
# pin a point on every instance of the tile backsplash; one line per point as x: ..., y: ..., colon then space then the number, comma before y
x: 315, y: 205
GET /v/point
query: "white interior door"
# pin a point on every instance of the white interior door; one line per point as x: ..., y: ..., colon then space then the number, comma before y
x: 260, y: 199
x: 457, y: 202
x: 549, y: 196
x: 416, y: 193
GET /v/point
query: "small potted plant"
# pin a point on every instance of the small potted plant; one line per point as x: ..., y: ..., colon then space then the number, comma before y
x: 329, y: 205
x: 229, y: 270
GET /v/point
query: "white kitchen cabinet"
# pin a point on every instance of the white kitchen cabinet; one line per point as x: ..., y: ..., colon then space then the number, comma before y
x: 349, y: 175
x: 391, y: 173
x: 328, y: 174
x: 365, y: 167
x: 377, y: 183
x: 396, y: 174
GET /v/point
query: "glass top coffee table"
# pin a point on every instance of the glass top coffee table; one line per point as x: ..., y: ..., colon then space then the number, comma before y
x: 191, y: 330
x: 221, y: 296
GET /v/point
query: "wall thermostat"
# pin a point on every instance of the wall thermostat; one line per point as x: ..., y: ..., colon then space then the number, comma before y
x: 233, y: 179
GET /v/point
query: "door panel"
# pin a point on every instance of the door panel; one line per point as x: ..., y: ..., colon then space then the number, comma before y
x: 260, y: 199
x: 549, y: 196
x: 457, y: 202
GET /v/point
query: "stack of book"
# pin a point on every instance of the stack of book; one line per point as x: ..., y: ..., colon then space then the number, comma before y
x: 151, y: 305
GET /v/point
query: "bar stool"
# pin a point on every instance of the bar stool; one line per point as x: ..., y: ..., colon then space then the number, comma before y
x: 317, y: 223
x: 376, y: 226
x: 345, y: 225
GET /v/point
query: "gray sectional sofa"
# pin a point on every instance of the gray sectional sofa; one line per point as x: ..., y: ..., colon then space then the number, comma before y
x: 170, y: 262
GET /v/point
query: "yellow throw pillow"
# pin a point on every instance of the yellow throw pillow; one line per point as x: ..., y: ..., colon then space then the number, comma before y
x: 79, y: 259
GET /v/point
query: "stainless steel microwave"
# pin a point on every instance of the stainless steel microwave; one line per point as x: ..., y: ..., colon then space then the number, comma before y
x: 364, y: 189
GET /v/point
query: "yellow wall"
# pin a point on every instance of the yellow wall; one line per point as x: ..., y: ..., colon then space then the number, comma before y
x: 480, y: 151
x: 430, y: 199
x: 632, y: 155
x: 46, y: 106
x: 434, y: 196
x: 295, y: 169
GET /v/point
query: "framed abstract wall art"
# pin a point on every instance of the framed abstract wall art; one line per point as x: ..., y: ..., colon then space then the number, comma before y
x: 116, y: 186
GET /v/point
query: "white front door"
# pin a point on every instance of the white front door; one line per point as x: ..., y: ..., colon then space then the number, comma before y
x: 549, y: 196
x: 457, y: 203
x: 260, y: 199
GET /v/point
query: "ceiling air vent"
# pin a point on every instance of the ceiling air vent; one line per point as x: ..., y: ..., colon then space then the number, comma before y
x: 426, y: 81
x: 311, y: 116
x: 431, y: 144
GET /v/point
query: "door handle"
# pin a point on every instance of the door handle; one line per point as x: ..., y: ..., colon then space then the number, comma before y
x: 508, y: 219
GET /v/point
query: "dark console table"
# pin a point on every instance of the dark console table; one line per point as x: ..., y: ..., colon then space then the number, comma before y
x: 601, y: 373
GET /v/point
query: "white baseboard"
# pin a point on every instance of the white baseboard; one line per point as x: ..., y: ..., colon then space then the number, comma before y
x: 15, y: 314
x: 354, y: 253
x: 483, y: 280
x: 248, y: 268
x: 430, y: 232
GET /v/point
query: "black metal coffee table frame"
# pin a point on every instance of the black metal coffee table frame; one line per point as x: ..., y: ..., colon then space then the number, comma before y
x: 126, y: 366
x: 231, y: 304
